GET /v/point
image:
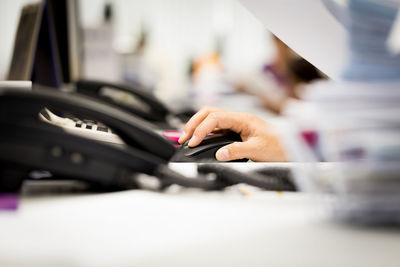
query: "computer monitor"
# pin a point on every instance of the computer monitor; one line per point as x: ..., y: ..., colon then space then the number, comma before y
x: 46, y: 48
x: 68, y: 35
x: 47, y: 69
x: 35, y: 56
x: 25, y: 43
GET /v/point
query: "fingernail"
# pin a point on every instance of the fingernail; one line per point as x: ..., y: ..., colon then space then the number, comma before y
x: 182, y: 137
x: 222, y: 154
x: 194, y: 141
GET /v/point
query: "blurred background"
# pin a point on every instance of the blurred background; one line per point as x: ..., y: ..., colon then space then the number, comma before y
x: 188, y: 53
x: 157, y: 41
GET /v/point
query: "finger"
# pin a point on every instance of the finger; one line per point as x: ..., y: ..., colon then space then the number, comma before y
x: 223, y: 120
x: 234, y: 151
x: 194, y: 122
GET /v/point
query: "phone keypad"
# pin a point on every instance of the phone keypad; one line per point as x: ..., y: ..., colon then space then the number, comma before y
x: 91, y: 125
x: 102, y: 128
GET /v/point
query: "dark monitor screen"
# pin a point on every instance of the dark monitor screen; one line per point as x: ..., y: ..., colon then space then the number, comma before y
x: 47, y: 70
x: 25, y: 43
x: 58, y: 10
x: 35, y: 55
x: 67, y: 34
x: 45, y: 49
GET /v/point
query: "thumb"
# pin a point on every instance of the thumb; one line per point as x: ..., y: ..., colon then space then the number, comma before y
x: 236, y: 150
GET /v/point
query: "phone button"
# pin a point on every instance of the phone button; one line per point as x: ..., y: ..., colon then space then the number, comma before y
x: 102, y: 129
x: 56, y: 151
x: 77, y: 157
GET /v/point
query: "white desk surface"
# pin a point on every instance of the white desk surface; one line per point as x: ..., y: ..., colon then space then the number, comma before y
x: 187, y: 228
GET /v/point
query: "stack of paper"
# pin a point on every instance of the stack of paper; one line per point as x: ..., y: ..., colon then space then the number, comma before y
x: 357, y: 125
x: 355, y: 122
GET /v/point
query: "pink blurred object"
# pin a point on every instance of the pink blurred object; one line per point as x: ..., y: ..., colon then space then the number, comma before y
x: 8, y: 202
x: 311, y: 138
x: 172, y: 135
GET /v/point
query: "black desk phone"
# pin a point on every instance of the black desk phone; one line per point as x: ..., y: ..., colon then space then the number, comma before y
x: 140, y: 102
x: 134, y: 99
x: 28, y: 143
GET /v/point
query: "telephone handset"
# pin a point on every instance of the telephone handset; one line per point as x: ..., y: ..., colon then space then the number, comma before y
x: 135, y: 100
x: 29, y: 143
x: 132, y: 130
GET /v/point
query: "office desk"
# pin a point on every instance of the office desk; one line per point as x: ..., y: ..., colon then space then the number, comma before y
x: 188, y: 228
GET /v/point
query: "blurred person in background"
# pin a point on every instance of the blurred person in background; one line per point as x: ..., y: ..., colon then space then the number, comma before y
x: 282, y: 79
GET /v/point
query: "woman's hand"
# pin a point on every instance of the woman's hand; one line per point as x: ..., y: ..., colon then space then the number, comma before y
x: 259, y: 142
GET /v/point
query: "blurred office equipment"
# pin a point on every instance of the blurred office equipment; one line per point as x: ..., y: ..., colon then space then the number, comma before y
x: 59, y: 52
x: 132, y: 98
x: 369, y: 57
x: 354, y: 122
x: 58, y: 64
x: 36, y: 139
x: 136, y: 65
x: 100, y: 60
x: 29, y: 143
x: 36, y: 58
x: 25, y: 44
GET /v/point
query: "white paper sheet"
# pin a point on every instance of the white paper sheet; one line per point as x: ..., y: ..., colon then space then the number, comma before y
x: 308, y: 28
